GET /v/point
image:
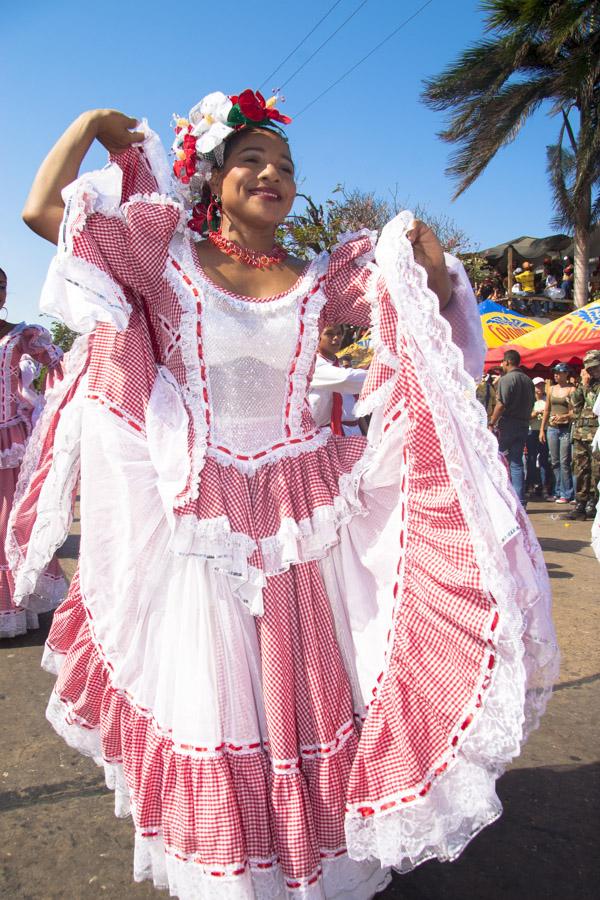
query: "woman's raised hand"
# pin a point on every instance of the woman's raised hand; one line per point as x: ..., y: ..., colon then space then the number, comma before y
x: 115, y: 130
x: 429, y: 253
x: 44, y: 206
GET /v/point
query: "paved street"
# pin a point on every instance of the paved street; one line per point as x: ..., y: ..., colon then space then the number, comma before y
x: 59, y: 837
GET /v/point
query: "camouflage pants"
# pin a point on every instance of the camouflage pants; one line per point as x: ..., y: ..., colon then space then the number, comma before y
x: 586, y: 468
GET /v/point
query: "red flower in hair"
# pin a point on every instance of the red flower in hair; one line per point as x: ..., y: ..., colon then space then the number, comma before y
x: 277, y: 116
x: 252, y: 105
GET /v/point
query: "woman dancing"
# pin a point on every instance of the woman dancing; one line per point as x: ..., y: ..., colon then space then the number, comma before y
x: 301, y: 658
x: 23, y: 348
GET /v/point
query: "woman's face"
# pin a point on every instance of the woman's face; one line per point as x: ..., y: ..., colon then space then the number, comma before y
x: 561, y: 378
x: 539, y: 391
x: 3, y: 286
x: 256, y: 184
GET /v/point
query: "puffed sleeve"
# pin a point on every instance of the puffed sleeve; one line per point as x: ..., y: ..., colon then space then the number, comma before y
x: 349, y: 281
x: 36, y: 342
x: 357, y: 292
x: 114, y: 239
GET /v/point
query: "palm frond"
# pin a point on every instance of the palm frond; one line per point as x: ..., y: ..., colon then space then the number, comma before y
x: 534, y: 52
x: 481, y: 69
x: 482, y: 129
x: 560, y: 166
x: 588, y: 158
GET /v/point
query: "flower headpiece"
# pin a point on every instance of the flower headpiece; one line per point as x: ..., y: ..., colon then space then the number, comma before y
x: 199, y: 143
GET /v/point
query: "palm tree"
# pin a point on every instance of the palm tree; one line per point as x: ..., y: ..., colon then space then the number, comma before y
x: 537, y: 52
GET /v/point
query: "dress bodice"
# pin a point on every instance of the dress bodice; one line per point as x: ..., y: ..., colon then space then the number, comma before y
x: 255, y: 358
x: 249, y: 348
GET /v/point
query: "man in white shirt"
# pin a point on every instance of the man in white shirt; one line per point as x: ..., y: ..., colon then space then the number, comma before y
x: 330, y: 381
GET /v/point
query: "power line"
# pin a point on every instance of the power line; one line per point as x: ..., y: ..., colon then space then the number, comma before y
x: 364, y: 58
x: 297, y: 47
x: 326, y: 41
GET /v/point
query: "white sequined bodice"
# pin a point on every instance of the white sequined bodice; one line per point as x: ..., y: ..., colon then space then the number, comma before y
x: 251, y: 354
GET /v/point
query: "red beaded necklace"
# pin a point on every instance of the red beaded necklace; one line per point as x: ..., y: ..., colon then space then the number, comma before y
x: 254, y: 258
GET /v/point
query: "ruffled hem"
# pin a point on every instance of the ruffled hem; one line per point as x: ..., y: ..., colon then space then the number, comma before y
x: 50, y: 590
x: 184, y: 874
x: 13, y: 442
x: 14, y: 622
x: 336, y: 878
x: 175, y: 791
x: 12, y: 456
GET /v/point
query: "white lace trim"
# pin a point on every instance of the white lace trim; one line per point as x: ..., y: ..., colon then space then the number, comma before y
x: 347, y: 236
x: 157, y: 160
x: 311, y: 538
x: 50, y: 590
x: 14, y: 622
x: 192, y: 390
x: 93, y: 192
x: 11, y: 457
x: 308, y: 444
x: 261, y: 306
x: 294, y: 542
x: 255, y: 879
x: 308, y: 341
x: 156, y: 199
x: 54, y: 507
x: 81, y: 295
x: 460, y: 798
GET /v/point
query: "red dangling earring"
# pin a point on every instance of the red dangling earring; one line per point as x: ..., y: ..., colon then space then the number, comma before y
x: 214, y: 213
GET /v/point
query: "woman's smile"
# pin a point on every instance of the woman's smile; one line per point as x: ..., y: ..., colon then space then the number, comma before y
x: 265, y: 193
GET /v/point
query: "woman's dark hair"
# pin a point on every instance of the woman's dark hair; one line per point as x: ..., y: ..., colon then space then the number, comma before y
x: 2, y: 272
x: 234, y: 139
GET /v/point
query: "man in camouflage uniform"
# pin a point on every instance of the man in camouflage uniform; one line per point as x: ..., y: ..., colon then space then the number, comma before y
x: 586, y: 462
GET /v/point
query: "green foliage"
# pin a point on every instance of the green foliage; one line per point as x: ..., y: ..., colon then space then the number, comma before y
x: 62, y: 336
x: 319, y: 226
x: 476, y: 266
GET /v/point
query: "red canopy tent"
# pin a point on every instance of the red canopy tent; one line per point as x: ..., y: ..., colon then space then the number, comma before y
x: 564, y: 340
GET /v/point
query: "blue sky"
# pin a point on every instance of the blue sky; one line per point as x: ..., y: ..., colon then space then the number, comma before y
x: 155, y: 58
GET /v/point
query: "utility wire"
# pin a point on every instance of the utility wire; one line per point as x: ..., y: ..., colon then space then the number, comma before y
x: 364, y: 58
x: 297, y: 47
x: 326, y: 41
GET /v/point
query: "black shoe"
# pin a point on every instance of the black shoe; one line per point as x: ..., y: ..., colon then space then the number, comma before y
x: 590, y: 510
x: 578, y: 512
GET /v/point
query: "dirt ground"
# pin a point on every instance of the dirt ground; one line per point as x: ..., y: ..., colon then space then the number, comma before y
x: 59, y: 837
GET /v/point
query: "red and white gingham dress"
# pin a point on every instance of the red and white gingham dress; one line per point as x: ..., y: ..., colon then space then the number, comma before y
x: 22, y: 351
x: 301, y: 659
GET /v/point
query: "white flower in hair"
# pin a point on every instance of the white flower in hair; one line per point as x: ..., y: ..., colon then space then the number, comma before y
x: 209, y: 121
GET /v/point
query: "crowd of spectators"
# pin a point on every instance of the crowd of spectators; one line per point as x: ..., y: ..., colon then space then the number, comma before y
x: 546, y: 430
x: 537, y: 290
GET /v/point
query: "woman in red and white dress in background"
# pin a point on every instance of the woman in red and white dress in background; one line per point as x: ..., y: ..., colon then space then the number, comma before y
x: 301, y: 658
x: 23, y: 349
